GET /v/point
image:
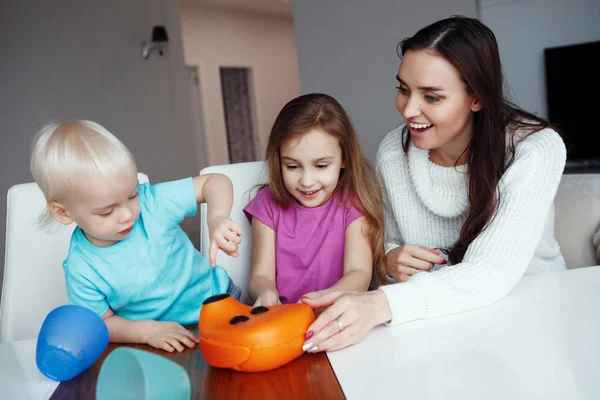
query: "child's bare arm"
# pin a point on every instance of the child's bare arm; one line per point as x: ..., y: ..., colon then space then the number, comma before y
x: 168, y: 336
x: 358, y: 260
x: 262, y: 280
x: 216, y: 191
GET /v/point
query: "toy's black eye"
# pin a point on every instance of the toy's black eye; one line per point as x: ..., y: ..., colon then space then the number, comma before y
x: 238, y: 319
x: 258, y: 310
x: 215, y: 298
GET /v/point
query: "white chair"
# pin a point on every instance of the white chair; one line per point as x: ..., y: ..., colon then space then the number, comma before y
x: 244, y: 176
x: 34, y: 281
x: 577, y: 208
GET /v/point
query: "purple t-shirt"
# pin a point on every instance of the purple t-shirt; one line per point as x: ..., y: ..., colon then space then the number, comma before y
x: 309, y: 246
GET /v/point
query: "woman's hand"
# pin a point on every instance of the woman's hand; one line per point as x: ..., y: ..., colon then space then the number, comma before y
x: 348, y: 319
x: 406, y: 260
x: 225, y: 235
x: 170, y: 336
x: 315, y: 294
x: 312, y: 295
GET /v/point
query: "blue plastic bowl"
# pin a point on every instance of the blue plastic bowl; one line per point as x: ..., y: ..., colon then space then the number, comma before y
x: 70, y: 340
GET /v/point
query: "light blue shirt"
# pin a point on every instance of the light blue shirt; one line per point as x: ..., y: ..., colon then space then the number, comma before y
x: 155, y: 272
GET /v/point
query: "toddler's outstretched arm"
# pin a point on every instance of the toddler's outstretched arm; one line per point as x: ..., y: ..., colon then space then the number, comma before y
x: 216, y: 191
x: 168, y: 336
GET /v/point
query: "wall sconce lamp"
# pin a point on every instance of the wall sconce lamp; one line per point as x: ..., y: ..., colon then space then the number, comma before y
x: 159, y: 41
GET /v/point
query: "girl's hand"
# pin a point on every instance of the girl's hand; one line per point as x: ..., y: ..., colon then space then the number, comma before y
x: 347, y: 321
x: 170, y: 336
x: 225, y: 235
x: 267, y: 298
x: 405, y: 261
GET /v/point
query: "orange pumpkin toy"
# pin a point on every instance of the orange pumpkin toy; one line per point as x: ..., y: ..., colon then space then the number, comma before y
x: 236, y: 336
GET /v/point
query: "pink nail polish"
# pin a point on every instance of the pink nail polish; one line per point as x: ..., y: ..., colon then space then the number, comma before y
x: 308, y: 335
x: 444, y: 262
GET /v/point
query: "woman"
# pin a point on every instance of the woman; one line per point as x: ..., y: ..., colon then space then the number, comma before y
x: 469, y: 185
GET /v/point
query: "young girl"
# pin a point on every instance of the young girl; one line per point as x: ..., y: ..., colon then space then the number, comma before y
x: 317, y: 226
x: 129, y: 261
x: 468, y: 173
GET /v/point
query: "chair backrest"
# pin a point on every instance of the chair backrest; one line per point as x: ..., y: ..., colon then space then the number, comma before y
x: 34, y: 281
x: 577, y: 208
x: 244, y: 176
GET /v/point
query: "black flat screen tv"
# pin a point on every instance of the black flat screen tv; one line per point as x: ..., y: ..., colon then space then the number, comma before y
x: 573, y: 100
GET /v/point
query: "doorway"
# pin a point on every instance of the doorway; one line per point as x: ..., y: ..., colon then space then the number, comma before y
x: 239, y: 116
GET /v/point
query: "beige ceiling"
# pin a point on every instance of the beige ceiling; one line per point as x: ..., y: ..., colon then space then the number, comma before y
x: 277, y: 7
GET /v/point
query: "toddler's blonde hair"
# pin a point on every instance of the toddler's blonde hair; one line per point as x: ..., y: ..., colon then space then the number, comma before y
x: 66, y: 154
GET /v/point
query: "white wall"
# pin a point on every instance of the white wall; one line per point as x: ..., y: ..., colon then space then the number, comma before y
x: 347, y: 48
x: 215, y: 38
x: 524, y: 28
x: 65, y: 59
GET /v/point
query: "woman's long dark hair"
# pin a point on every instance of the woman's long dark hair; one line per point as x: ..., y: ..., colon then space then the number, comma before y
x: 471, y: 48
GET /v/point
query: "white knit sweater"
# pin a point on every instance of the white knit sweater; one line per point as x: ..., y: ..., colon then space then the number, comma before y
x: 427, y: 206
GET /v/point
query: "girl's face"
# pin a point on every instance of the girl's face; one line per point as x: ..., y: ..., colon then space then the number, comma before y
x: 434, y: 103
x: 310, y: 167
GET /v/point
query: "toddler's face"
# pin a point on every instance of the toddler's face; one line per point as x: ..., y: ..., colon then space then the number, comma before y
x: 105, y: 210
x: 310, y: 166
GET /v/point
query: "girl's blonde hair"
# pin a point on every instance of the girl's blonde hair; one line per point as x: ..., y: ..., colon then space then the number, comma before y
x: 64, y: 154
x: 358, y: 182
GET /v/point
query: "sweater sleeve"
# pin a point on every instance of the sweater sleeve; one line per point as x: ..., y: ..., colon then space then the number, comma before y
x: 497, y: 259
x: 392, y: 231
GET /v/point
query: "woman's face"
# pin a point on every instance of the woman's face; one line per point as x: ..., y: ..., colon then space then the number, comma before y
x: 434, y: 103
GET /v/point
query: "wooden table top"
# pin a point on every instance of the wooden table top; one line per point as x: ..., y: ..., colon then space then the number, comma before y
x: 310, y: 376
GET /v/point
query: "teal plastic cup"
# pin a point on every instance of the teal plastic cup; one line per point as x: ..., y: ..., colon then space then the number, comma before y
x: 133, y: 374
